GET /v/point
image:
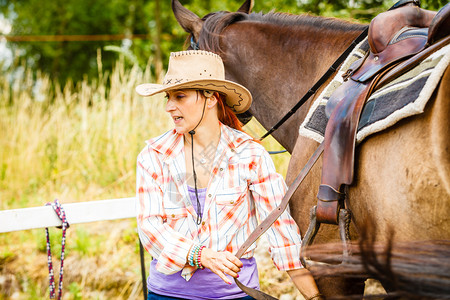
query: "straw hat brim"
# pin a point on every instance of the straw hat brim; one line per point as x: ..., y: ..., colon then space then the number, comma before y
x: 238, y: 97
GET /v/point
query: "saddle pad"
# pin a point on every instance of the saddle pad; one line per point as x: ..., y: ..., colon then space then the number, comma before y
x: 405, y: 96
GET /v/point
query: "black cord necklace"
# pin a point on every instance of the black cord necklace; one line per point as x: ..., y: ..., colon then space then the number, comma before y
x: 192, y: 132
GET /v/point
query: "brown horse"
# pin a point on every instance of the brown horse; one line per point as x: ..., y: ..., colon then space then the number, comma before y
x: 402, y: 174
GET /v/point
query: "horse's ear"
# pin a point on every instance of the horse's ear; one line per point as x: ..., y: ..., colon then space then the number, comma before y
x: 247, y: 6
x: 190, y: 22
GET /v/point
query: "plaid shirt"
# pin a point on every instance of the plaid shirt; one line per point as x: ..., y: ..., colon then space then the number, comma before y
x: 243, y: 186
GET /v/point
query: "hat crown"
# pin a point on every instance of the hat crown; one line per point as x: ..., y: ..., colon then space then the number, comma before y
x: 191, y: 65
x: 201, y: 70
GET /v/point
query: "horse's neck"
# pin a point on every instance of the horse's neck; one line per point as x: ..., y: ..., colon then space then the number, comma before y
x: 278, y: 65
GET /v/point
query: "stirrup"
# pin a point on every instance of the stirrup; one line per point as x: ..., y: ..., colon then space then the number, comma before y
x: 314, y: 225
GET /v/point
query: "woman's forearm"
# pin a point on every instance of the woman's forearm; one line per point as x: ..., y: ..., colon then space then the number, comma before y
x: 305, y: 283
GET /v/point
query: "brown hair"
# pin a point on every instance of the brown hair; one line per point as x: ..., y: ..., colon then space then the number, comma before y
x: 226, y: 114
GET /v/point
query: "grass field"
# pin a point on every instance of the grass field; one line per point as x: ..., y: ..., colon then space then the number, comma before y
x: 80, y: 144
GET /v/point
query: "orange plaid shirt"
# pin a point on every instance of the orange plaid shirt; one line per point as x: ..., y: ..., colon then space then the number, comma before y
x: 243, y: 187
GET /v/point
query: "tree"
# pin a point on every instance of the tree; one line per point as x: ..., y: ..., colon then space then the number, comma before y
x: 153, y: 18
x: 64, y: 59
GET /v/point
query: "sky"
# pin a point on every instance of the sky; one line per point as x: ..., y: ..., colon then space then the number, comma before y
x: 5, y: 53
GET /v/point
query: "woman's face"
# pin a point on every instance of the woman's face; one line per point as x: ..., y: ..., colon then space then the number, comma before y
x: 185, y: 108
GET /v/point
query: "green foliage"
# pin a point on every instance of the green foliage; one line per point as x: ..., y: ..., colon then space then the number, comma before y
x: 6, y: 256
x: 85, y: 244
x: 75, y: 291
x: 32, y: 290
x: 64, y: 60
x: 60, y: 17
x: 130, y: 235
x: 55, y: 236
x: 433, y: 4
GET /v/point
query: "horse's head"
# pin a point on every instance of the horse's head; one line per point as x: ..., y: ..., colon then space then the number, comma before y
x: 204, y: 32
x: 192, y: 23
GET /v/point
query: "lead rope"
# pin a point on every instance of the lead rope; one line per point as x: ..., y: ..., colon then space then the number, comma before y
x: 62, y: 216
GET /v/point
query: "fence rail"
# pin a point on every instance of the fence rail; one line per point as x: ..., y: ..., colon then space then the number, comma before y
x: 79, y: 212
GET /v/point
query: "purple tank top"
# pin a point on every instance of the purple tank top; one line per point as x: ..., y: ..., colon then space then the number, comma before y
x: 201, y: 197
x: 204, y: 284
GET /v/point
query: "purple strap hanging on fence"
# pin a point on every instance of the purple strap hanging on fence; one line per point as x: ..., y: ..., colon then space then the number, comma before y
x: 62, y: 215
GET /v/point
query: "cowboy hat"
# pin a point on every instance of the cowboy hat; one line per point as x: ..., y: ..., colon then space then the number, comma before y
x: 202, y: 70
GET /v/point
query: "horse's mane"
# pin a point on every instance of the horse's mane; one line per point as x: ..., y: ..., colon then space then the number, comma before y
x: 215, y: 23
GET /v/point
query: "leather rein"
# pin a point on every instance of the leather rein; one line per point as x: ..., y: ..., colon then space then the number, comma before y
x: 345, y: 217
x: 327, y: 74
x: 344, y: 214
x: 273, y: 216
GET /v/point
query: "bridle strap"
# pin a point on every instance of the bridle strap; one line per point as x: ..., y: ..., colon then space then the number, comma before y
x: 194, y: 44
x: 330, y: 71
x: 273, y: 216
x: 319, y: 83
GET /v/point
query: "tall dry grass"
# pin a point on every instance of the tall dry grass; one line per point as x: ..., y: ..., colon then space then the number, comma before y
x: 77, y: 144
x: 80, y: 144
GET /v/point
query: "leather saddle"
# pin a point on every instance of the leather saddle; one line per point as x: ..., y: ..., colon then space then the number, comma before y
x: 394, y: 37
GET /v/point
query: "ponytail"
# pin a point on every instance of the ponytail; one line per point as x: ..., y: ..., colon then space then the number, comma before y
x: 226, y: 114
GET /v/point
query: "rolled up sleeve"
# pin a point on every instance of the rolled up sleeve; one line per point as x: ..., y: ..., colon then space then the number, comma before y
x: 168, y: 246
x: 268, y: 188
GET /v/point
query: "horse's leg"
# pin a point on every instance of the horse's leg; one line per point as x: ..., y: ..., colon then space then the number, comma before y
x: 300, y: 204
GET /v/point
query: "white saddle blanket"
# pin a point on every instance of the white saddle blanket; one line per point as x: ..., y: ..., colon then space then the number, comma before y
x: 405, y: 96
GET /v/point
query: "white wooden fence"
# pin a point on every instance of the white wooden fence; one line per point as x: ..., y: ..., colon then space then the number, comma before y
x: 80, y: 212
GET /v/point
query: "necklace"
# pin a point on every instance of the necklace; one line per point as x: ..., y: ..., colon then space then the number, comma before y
x: 203, y: 159
x: 206, y: 155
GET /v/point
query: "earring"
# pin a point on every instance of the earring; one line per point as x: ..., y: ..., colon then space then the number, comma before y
x: 207, y: 93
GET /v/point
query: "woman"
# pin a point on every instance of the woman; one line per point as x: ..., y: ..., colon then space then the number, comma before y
x: 201, y: 186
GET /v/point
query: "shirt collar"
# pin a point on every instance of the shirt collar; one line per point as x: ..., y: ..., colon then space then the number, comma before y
x: 232, y: 138
x: 170, y: 144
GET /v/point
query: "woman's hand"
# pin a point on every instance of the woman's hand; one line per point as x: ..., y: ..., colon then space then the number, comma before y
x: 221, y: 263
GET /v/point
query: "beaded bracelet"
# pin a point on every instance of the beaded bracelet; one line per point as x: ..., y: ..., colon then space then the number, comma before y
x: 195, y: 255
x: 197, y: 250
x: 191, y: 256
x: 198, y: 262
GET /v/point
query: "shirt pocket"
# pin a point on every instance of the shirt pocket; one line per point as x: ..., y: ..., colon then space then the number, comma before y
x: 232, y: 209
x: 176, y: 218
